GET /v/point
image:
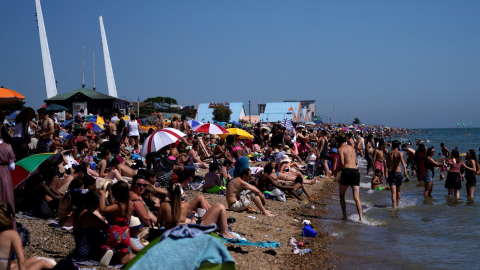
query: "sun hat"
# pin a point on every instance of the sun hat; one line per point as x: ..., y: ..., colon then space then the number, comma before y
x: 135, y: 223
x: 285, y: 158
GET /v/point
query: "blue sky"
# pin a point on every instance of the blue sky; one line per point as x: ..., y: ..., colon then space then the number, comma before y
x: 385, y: 62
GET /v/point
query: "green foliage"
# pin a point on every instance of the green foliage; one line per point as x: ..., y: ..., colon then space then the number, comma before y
x: 356, y: 121
x: 166, y: 100
x: 15, y: 106
x: 221, y: 113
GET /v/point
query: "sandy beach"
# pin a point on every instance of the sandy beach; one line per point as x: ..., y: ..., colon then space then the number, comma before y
x: 57, y: 243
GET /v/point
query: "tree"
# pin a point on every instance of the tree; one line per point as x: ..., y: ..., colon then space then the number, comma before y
x: 14, y: 106
x: 221, y: 113
x: 165, y: 100
x: 356, y: 121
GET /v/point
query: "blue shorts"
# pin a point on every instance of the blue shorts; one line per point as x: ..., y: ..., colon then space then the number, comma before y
x: 428, y: 176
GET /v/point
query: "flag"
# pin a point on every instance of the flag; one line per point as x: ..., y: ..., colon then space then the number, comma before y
x: 287, y: 123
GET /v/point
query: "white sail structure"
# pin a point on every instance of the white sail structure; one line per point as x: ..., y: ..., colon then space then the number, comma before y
x: 112, y: 89
x: 47, y: 61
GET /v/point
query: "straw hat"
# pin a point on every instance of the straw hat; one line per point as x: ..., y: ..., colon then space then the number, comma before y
x: 288, y: 152
x: 285, y: 158
x: 135, y: 223
x: 104, y: 185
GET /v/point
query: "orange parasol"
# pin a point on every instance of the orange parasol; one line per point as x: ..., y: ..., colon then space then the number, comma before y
x: 8, y: 96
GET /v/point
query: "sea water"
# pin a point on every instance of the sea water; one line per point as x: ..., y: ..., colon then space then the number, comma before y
x: 422, y: 233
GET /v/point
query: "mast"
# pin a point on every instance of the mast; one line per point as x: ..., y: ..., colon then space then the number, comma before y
x: 83, y: 82
x: 50, y: 83
x: 112, y: 89
x: 93, y: 70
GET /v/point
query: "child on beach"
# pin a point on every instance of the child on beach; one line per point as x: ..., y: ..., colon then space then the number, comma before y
x: 377, y: 181
x: 117, y: 236
x: 311, y: 161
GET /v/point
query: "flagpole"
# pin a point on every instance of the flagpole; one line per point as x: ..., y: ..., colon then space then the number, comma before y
x: 138, y: 106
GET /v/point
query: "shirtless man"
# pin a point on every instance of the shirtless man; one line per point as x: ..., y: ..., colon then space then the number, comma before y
x: 185, y: 126
x: 179, y: 153
x: 176, y: 123
x: 266, y: 182
x: 445, y: 151
x: 160, y: 121
x: 237, y: 202
x: 350, y: 175
x: 46, y: 132
x: 193, y: 157
x: 410, y: 158
x: 103, y: 171
x: 312, y: 139
x: 394, y: 159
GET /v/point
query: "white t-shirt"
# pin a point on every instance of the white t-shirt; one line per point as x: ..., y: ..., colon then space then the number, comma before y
x: 312, y: 159
x: 133, y: 128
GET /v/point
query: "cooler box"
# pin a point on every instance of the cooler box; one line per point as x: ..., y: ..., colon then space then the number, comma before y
x: 93, y: 165
x: 308, y: 231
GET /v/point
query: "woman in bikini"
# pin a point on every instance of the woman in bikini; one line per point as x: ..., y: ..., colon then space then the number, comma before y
x: 175, y: 213
x: 141, y: 210
x: 236, y: 152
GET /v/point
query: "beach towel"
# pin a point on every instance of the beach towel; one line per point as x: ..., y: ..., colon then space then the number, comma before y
x: 94, y: 263
x: 270, y: 244
x: 240, y: 165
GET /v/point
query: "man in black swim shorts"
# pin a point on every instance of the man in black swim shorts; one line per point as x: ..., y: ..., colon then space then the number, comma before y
x: 394, y: 160
x: 350, y: 175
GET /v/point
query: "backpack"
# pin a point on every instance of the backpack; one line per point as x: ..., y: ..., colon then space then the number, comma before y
x: 24, y: 234
x: 164, y: 169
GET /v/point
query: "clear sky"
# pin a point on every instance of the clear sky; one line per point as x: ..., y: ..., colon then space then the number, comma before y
x: 385, y: 62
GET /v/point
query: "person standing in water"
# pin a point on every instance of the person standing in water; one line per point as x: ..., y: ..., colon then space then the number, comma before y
x: 350, y: 176
x: 394, y: 159
x: 470, y: 171
x: 454, y: 180
x: 430, y: 165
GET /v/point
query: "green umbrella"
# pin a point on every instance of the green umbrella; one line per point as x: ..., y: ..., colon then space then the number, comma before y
x: 55, y: 108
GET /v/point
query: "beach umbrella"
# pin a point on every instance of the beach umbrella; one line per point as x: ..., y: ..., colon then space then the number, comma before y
x: 160, y: 139
x: 13, y: 115
x: 115, y: 119
x: 146, y: 128
x: 55, y: 108
x: 95, y: 127
x: 238, y: 132
x: 194, y: 123
x: 67, y: 123
x: 8, y: 96
x: 211, y: 129
x: 287, y: 123
x: 28, y: 166
x: 266, y: 127
x: 95, y: 119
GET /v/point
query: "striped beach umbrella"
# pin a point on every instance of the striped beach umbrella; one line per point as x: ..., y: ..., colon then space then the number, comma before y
x: 160, y: 139
x: 194, y: 123
x: 211, y: 129
x: 27, y: 166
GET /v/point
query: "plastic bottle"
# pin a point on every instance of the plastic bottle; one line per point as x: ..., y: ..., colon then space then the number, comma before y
x: 305, y: 251
x: 252, y: 217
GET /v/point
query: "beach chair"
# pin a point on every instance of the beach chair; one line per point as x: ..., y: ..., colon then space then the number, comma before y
x: 205, y: 151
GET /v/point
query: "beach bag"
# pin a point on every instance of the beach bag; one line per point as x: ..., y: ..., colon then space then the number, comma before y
x: 24, y: 234
x: 164, y: 169
x: 279, y: 195
x: 154, y: 233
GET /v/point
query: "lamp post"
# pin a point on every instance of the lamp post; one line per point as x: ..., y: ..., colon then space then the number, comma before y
x: 249, y: 114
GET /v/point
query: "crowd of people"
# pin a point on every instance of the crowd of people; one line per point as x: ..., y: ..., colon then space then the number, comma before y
x: 98, y: 182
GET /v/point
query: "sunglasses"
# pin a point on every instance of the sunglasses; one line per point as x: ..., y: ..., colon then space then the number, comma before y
x: 141, y: 185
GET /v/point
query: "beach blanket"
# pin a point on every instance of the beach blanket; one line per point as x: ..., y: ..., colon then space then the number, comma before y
x: 270, y: 244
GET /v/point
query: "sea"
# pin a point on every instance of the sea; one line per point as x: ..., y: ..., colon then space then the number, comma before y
x: 422, y: 233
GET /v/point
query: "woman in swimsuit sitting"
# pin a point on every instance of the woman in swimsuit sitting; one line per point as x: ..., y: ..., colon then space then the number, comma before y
x: 175, y: 212
x: 140, y: 208
x: 235, y: 151
x: 12, y: 244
